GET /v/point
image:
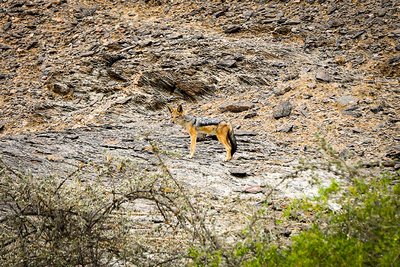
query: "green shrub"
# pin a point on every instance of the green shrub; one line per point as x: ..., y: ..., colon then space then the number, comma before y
x: 363, y: 231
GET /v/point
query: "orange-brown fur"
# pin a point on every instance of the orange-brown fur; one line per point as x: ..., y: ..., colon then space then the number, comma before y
x: 222, y: 130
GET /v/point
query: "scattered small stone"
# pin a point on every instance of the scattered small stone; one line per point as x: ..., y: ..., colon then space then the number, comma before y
x: 248, y: 14
x: 295, y: 30
x: 252, y: 80
x: 85, y: 12
x: 268, y: 21
x: 227, y: 63
x: 352, y: 111
x: 312, y: 85
x: 377, y: 109
x: 358, y: 34
x: 116, y: 76
x: 123, y: 100
x: 245, y: 133
x: 175, y: 36
x: 255, y: 189
x: 4, y: 47
x: 7, y: 26
x: 332, y: 9
x: 220, y: 13
x: 394, y: 152
x: 287, y: 128
x: 281, y: 20
x: 232, y: 29
x: 240, y: 173
x: 279, y: 65
x: 282, y: 90
x: 322, y: 75
x: 60, y: 88
x: 32, y: 45
x: 347, y: 100
x: 382, y: 12
x: 334, y: 23
x: 145, y: 43
x: 286, y: 233
x: 88, y: 53
x: 111, y: 59
x: 394, y: 119
x: 303, y: 110
x: 236, y: 107
x: 307, y: 96
x: 72, y: 137
x: 282, y: 30
x: 291, y: 77
x: 394, y: 60
x: 282, y: 110
x: 250, y: 115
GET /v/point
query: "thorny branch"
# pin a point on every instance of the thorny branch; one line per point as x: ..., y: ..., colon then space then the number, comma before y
x: 196, y: 232
x: 27, y: 204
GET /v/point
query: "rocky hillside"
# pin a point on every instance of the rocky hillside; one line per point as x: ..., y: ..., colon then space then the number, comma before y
x: 81, y: 80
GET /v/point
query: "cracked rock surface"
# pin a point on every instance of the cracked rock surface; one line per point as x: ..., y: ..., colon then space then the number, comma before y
x: 82, y: 80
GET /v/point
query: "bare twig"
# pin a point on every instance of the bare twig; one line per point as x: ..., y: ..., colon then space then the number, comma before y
x: 197, y: 218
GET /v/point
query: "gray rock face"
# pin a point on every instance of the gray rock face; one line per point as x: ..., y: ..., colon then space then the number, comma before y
x: 61, y: 153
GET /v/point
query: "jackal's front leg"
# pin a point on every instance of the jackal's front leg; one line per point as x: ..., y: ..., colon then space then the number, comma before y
x: 193, y: 138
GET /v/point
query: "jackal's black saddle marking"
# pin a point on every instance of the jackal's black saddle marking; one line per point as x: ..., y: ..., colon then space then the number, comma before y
x: 199, y: 122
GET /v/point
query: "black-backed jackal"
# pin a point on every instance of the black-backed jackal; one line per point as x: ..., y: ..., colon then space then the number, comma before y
x: 223, y: 130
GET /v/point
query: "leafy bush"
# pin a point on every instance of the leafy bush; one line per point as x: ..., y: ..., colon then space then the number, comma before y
x: 366, y: 232
x: 364, y: 229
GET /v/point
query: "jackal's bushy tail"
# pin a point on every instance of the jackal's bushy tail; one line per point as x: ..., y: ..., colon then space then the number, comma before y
x: 232, y: 140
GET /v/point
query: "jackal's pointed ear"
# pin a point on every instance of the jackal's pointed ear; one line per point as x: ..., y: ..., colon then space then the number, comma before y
x: 179, y: 109
x: 169, y: 108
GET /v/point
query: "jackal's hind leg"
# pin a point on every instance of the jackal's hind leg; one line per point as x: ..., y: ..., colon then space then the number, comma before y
x: 222, y: 135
